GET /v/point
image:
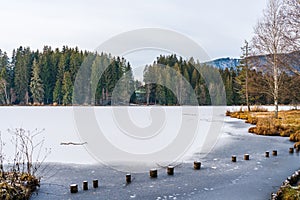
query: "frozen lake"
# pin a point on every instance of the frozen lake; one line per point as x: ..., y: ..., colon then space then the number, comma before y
x: 219, y: 178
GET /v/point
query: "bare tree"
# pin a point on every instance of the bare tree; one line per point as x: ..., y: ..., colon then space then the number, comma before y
x: 291, y: 14
x: 27, y: 148
x: 270, y: 42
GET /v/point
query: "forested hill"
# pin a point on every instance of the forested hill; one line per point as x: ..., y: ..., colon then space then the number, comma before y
x: 47, y: 77
x: 223, y: 63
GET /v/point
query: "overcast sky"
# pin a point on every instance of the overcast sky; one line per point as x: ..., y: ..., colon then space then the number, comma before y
x: 218, y: 26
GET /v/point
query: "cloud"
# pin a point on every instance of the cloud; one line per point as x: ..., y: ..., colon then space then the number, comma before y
x: 218, y: 26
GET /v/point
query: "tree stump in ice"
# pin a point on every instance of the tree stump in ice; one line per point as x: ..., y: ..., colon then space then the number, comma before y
x: 197, y: 165
x: 233, y: 158
x: 267, y: 154
x: 95, y: 183
x: 128, y: 178
x: 85, y: 185
x: 246, y: 157
x: 153, y: 173
x: 170, y: 170
x: 73, y: 188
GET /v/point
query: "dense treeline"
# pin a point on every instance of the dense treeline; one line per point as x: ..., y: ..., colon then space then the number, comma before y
x: 233, y: 80
x: 47, y: 77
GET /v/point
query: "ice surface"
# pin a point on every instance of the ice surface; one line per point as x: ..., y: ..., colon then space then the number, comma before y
x: 218, y: 178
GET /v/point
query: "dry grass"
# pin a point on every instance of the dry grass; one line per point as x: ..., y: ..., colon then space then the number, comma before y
x: 18, y: 186
x: 289, y: 193
x: 287, y: 124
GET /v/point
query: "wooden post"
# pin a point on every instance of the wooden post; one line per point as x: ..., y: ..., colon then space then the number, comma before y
x: 293, y: 179
x: 170, y: 170
x: 274, y: 153
x: 85, y: 185
x: 153, y: 173
x: 95, y: 183
x: 197, y: 165
x: 233, y: 158
x: 128, y: 178
x: 267, y: 154
x: 291, y: 150
x: 246, y: 157
x: 73, y: 188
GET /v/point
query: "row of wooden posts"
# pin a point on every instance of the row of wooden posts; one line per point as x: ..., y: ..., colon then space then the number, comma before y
x: 85, y: 186
x: 267, y: 154
x: 170, y: 171
x: 152, y: 174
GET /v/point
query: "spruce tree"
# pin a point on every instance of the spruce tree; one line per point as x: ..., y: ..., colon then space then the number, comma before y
x: 67, y: 89
x: 36, y: 85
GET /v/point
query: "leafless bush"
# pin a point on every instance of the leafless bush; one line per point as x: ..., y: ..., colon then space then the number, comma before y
x: 28, y: 150
x: 18, y: 179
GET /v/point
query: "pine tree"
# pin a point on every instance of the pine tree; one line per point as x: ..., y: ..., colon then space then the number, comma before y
x: 57, y: 93
x: 4, y: 78
x: 22, y: 67
x: 67, y: 89
x: 36, y: 85
x: 4, y: 99
x: 242, y: 79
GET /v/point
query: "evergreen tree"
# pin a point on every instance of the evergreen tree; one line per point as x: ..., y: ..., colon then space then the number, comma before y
x: 36, y: 85
x: 57, y: 93
x: 22, y: 68
x: 67, y: 89
x: 242, y: 79
x: 4, y: 98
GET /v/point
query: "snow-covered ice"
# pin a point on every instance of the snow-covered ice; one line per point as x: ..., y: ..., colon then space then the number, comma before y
x: 218, y: 178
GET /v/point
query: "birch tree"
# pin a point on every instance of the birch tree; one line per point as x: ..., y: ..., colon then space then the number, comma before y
x: 270, y: 41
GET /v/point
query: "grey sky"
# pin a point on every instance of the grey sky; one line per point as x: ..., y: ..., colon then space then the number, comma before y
x: 219, y: 27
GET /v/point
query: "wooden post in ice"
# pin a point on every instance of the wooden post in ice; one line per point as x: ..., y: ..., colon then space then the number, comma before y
x: 73, y: 188
x: 291, y: 150
x: 274, y: 153
x: 95, y: 183
x: 153, y: 173
x: 128, y: 178
x: 267, y: 154
x: 197, y: 165
x: 246, y: 157
x: 170, y: 170
x: 233, y: 158
x: 85, y: 185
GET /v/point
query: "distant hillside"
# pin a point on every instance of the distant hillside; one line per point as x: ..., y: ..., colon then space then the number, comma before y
x: 291, y: 59
x: 223, y: 63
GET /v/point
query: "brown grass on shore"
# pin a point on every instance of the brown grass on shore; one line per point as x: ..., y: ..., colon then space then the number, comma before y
x: 16, y: 185
x: 286, y: 125
x: 289, y: 193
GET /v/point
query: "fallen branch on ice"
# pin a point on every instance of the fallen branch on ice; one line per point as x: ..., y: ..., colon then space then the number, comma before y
x: 72, y: 143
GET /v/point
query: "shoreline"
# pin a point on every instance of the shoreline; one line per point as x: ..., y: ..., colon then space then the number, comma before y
x: 287, y: 125
x: 218, y: 177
